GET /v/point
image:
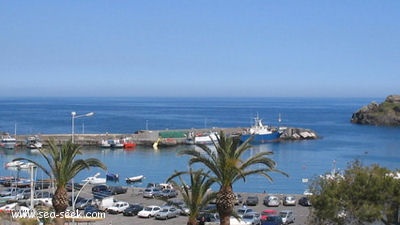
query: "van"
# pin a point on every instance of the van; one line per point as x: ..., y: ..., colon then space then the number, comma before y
x: 105, y: 203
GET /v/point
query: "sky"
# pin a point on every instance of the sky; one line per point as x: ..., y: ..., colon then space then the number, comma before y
x: 200, y: 48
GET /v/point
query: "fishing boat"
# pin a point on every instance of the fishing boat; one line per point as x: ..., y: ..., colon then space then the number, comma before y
x: 112, y: 177
x: 116, y: 143
x: 134, y: 179
x: 261, y: 133
x: 8, y: 142
x: 33, y: 142
x: 105, y: 144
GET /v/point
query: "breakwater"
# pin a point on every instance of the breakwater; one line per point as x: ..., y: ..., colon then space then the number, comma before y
x: 163, y: 137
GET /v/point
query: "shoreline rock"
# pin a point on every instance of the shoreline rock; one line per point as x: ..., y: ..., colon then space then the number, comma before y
x: 386, y: 113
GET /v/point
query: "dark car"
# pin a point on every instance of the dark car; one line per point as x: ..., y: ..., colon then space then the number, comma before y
x: 91, y: 209
x: 252, y: 200
x: 101, y: 191
x: 272, y: 220
x: 100, y: 188
x: 132, y: 210
x: 304, y: 201
x: 102, y: 194
x: 116, y: 190
x: 208, y: 217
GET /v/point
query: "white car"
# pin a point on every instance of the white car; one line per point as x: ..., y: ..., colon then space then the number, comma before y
x: 272, y: 201
x: 289, y: 200
x: 149, y: 211
x: 118, y: 207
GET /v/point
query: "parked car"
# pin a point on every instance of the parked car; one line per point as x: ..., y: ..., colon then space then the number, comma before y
x: 99, y: 188
x: 179, y: 205
x: 150, y: 192
x: 243, y: 210
x: 83, y: 203
x: 166, y: 193
x: 271, y: 201
x: 166, y: 213
x: 289, y: 200
x: 149, y: 211
x: 267, y: 213
x: 132, y: 210
x: 91, y: 209
x: 304, y: 201
x: 208, y: 217
x: 25, y: 192
x: 102, y: 194
x: 252, y: 200
x: 238, y: 199
x: 287, y: 216
x: 118, y: 207
x: 8, y: 192
x: 116, y: 190
x: 272, y: 220
x: 252, y: 218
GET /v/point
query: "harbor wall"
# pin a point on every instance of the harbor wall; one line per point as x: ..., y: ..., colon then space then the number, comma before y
x: 149, y: 137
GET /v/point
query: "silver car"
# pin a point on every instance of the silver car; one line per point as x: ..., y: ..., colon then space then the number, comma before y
x: 166, y: 213
x: 252, y: 218
x: 150, y: 192
x: 287, y: 216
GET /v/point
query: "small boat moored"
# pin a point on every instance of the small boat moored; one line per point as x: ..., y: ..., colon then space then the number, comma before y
x: 134, y: 179
x: 8, y: 142
x: 95, y: 179
x: 33, y: 142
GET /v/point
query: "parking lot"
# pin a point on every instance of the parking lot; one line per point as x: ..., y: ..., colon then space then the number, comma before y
x: 135, y: 195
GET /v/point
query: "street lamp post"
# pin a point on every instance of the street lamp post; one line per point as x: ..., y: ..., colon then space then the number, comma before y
x: 75, y: 198
x: 74, y: 116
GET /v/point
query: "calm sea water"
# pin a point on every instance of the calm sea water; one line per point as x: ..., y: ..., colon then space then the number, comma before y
x: 341, y: 142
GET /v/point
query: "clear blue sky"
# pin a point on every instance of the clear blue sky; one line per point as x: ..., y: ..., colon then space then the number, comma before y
x: 200, y: 48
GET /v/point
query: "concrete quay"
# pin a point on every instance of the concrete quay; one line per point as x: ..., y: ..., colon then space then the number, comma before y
x: 167, y: 137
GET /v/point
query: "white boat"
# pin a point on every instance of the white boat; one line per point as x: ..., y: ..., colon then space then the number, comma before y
x: 206, y: 138
x: 116, y: 143
x: 134, y: 179
x: 33, y: 142
x: 14, y: 164
x: 105, y: 144
x: 8, y: 142
x: 95, y: 180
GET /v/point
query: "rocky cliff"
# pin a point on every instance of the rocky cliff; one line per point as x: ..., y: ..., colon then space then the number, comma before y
x: 386, y: 113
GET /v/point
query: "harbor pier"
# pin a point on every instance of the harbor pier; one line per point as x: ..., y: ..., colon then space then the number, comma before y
x: 164, y: 137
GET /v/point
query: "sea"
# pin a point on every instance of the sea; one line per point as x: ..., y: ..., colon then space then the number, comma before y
x: 339, y: 144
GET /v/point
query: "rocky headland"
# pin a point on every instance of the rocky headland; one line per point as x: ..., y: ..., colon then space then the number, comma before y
x: 386, y: 113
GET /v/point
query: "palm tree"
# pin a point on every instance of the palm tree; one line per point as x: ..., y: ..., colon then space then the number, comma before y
x: 228, y: 166
x: 197, y: 194
x: 62, y: 168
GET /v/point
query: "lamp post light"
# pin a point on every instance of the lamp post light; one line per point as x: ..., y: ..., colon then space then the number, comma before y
x: 74, y: 116
x: 75, y: 198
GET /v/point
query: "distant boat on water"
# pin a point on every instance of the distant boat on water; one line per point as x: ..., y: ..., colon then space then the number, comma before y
x: 134, y: 179
x: 33, y: 142
x: 261, y: 133
x: 8, y: 142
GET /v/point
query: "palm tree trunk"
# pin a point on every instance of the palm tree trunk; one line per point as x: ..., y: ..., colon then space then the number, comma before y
x: 225, y: 204
x: 60, y: 204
